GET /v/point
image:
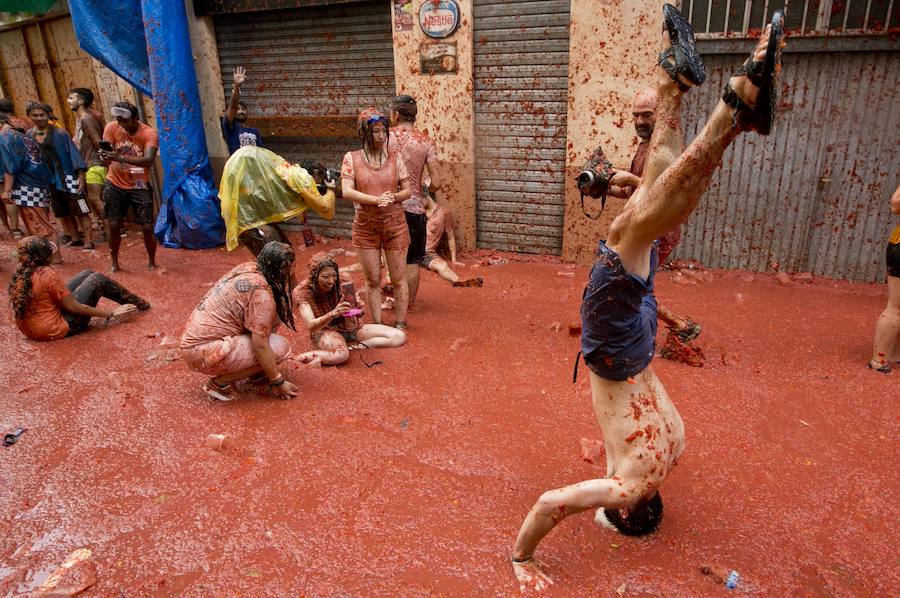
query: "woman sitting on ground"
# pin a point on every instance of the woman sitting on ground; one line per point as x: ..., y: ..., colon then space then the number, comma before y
x: 48, y: 309
x: 229, y: 334
x: 319, y: 302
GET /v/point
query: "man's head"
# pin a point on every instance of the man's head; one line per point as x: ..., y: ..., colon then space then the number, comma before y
x: 403, y: 109
x: 638, y: 520
x: 38, y: 113
x: 643, y: 112
x: 6, y: 106
x: 241, y: 114
x: 78, y: 97
x: 126, y: 115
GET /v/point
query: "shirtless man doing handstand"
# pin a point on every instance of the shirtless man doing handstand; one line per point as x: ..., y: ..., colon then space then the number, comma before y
x: 642, y: 431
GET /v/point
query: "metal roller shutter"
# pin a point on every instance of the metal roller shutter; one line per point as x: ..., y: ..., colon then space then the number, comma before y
x: 813, y: 195
x: 521, y: 91
x: 327, y: 62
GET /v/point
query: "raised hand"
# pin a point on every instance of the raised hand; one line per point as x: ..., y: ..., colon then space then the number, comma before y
x: 240, y: 75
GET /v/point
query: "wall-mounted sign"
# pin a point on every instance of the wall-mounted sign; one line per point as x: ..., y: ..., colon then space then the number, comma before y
x: 439, y: 18
x: 435, y: 59
x: 403, y: 16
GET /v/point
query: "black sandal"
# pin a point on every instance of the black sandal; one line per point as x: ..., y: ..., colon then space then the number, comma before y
x: 688, y: 63
x: 763, y: 75
x: 594, y: 180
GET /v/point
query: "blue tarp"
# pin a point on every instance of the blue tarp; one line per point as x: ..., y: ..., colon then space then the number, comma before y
x: 147, y: 43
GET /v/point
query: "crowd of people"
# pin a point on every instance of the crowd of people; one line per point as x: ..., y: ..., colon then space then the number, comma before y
x: 392, y: 180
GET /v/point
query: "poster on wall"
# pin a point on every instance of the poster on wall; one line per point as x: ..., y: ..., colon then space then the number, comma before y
x: 439, y: 18
x: 437, y: 59
x: 403, y: 15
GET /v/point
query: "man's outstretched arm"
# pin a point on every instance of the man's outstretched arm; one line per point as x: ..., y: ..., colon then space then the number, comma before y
x: 240, y: 75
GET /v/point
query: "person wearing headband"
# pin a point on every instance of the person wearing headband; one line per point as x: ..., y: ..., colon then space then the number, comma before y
x: 233, y: 130
x: 420, y: 155
x: 376, y: 180
x: 324, y: 310
x: 133, y: 149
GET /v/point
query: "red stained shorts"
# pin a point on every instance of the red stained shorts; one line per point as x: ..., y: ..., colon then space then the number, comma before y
x: 381, y: 229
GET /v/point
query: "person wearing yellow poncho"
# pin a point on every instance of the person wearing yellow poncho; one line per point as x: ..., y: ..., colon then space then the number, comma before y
x: 259, y: 187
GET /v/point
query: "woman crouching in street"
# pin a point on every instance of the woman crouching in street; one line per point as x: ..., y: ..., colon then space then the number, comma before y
x: 325, y: 312
x: 229, y: 334
x: 48, y: 309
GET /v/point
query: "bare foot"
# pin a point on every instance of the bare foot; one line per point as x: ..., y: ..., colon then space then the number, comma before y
x: 151, y: 266
x: 114, y: 267
x: 531, y: 576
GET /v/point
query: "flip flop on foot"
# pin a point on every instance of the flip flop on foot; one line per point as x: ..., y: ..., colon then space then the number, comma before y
x: 762, y: 74
x: 681, y: 60
x: 218, y: 392
x: 882, y: 368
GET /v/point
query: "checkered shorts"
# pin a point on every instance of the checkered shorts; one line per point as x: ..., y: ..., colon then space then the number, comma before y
x: 71, y: 184
x: 31, y: 197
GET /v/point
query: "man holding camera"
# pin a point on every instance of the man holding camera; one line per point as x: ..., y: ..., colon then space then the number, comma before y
x: 128, y: 149
x: 643, y: 113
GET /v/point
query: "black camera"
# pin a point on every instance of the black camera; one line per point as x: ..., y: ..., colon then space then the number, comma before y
x: 595, y: 175
x: 332, y: 174
x: 594, y: 179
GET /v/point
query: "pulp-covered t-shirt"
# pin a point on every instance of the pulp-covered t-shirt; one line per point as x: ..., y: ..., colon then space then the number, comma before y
x: 237, y: 135
x: 129, y: 176
x: 439, y: 223
x: 417, y: 150
x: 319, y: 305
x: 43, y: 321
x: 240, y: 302
x: 372, y: 180
x: 640, y: 157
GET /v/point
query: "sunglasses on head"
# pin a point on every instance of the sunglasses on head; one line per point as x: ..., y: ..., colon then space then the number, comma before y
x: 376, y: 119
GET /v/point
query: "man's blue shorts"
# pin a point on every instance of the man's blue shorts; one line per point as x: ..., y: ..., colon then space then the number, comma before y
x: 618, y: 317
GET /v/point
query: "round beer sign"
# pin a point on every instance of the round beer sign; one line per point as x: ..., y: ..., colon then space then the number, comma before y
x: 439, y: 18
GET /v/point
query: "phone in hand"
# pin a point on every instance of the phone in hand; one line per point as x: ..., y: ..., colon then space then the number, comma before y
x: 348, y: 294
x: 106, y: 146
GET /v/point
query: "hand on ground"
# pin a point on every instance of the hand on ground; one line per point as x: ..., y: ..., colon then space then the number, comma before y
x: 458, y: 263
x: 531, y: 576
x: 286, y: 390
x: 125, y: 309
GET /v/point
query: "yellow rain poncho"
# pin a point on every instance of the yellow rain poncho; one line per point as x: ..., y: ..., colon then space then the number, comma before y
x: 260, y: 187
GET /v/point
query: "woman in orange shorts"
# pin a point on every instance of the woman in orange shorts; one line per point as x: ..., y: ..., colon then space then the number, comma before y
x: 377, y: 183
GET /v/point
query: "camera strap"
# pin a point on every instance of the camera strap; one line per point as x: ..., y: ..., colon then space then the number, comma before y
x: 602, y: 206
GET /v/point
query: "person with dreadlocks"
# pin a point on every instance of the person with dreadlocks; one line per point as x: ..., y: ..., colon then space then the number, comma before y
x: 377, y: 182
x: 27, y: 180
x: 324, y: 311
x: 229, y: 335
x: 47, y: 309
x: 67, y: 168
x: 642, y: 430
